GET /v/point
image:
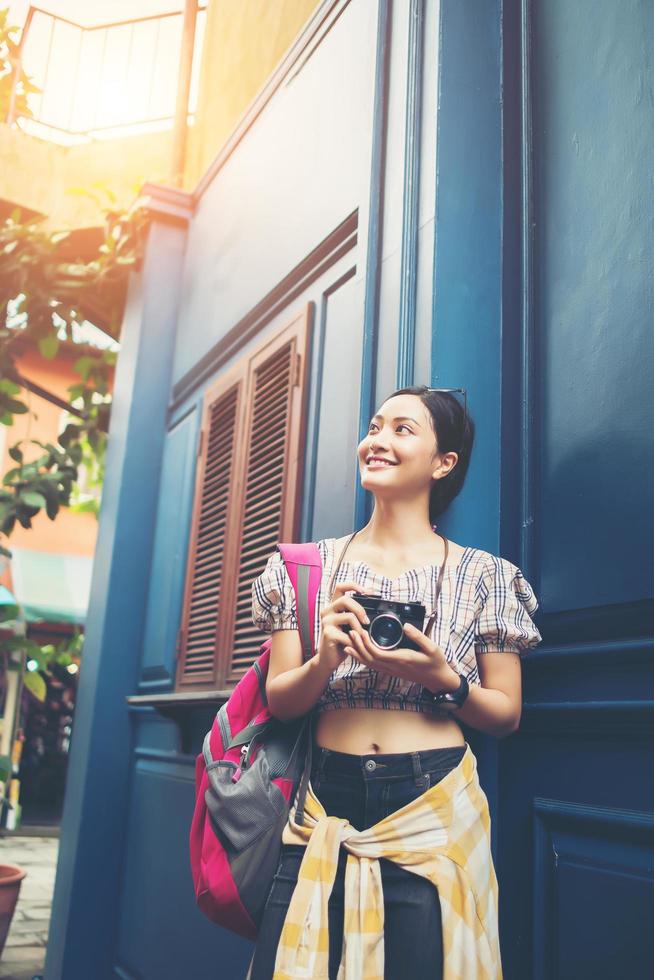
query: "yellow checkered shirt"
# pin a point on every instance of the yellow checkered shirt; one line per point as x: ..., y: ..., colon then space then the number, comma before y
x: 443, y: 835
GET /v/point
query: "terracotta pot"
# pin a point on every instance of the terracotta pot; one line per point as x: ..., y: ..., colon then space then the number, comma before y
x: 10, y: 878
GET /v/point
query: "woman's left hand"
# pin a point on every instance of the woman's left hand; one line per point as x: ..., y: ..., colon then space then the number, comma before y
x: 427, y: 666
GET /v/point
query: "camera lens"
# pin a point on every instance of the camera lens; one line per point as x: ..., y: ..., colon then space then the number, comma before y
x: 386, y: 631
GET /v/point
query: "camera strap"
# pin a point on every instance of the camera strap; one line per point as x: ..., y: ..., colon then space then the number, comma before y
x: 432, y: 619
x: 338, y: 565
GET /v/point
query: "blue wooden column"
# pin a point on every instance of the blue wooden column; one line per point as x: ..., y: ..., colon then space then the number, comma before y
x: 468, y: 269
x: 467, y: 310
x: 88, y: 878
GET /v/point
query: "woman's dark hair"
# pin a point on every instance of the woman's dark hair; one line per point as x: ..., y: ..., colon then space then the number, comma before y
x: 455, y: 433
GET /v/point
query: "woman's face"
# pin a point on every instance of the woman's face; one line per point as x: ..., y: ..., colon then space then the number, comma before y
x: 400, y: 450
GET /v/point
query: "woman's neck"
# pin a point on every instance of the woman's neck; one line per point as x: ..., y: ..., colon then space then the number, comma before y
x: 396, y: 527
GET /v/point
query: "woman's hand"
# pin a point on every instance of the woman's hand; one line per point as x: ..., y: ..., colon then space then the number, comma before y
x: 342, y: 610
x: 427, y: 666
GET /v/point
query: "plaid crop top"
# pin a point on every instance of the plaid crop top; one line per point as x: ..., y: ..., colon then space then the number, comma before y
x: 484, y: 605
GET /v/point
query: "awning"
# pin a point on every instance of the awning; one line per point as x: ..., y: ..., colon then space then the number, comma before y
x: 50, y: 587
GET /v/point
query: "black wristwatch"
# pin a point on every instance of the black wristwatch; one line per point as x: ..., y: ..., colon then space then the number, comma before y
x: 451, y: 700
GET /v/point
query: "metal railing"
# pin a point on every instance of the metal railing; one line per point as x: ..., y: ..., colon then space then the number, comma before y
x: 105, y: 80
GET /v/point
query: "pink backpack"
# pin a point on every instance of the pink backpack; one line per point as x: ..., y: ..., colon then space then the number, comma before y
x: 247, y: 775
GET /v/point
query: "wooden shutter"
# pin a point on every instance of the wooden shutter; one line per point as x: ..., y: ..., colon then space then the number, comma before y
x: 215, y: 487
x: 245, y: 504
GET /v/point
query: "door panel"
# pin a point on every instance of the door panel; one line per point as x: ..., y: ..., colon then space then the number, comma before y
x: 593, y: 147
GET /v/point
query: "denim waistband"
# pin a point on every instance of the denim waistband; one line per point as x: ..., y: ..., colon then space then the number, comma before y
x: 395, y: 764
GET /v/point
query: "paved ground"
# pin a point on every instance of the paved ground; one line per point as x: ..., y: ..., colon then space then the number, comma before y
x: 24, y: 952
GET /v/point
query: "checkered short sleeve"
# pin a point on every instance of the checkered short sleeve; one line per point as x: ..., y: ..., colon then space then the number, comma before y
x: 273, y: 597
x: 504, y: 622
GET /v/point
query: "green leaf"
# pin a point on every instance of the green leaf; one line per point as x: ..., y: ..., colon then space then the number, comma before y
x: 9, y: 387
x: 7, y: 527
x: 84, y: 365
x: 14, y: 644
x: 12, y: 474
x: 35, y: 684
x: 16, y: 454
x: 49, y: 346
x: 55, y: 450
x: 32, y: 499
x: 33, y: 651
x: 76, y: 452
x: 70, y: 432
x: 90, y: 506
x: 8, y: 612
x: 18, y: 408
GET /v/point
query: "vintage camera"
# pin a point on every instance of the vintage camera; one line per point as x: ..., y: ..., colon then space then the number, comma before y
x: 387, y: 618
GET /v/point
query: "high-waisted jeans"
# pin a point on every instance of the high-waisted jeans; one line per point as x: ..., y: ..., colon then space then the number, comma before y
x: 364, y: 790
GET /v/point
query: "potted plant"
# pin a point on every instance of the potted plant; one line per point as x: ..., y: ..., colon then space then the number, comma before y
x: 11, y: 877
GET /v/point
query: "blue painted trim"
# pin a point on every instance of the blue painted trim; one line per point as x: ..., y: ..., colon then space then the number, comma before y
x: 411, y: 202
x: 519, y: 350
x: 122, y: 973
x: 467, y: 315
x: 313, y: 426
x: 180, y: 771
x: 164, y: 756
x: 161, y: 677
x: 311, y: 462
x: 313, y: 418
x: 362, y: 503
x: 467, y: 269
x: 552, y: 818
x: 528, y: 449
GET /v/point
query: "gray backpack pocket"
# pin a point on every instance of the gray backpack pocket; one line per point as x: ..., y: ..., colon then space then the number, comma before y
x: 243, y: 810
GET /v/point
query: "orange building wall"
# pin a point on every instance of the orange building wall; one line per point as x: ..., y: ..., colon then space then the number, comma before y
x: 69, y: 533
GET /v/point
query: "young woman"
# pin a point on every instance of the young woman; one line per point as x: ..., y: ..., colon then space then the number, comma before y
x: 387, y: 720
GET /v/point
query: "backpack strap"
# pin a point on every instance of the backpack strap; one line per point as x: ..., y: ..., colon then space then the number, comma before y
x: 304, y: 567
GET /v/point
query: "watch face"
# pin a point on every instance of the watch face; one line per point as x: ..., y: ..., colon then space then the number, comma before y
x: 454, y: 699
x: 449, y: 705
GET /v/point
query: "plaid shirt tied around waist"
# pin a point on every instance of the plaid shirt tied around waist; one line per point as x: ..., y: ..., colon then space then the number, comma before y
x: 443, y: 835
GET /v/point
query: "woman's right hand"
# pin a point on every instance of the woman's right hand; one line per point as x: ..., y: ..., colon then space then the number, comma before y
x: 342, y: 610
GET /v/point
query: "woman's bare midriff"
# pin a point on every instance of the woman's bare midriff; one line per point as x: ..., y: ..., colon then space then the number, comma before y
x: 365, y: 731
